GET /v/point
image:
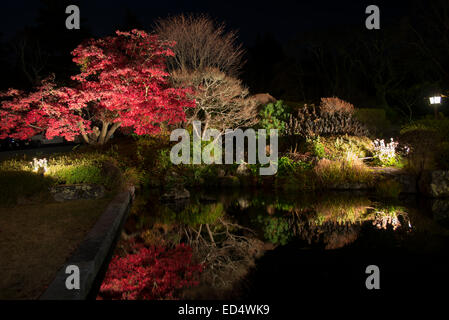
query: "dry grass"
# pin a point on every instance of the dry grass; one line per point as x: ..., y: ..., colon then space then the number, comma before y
x: 36, y: 240
x: 332, y: 173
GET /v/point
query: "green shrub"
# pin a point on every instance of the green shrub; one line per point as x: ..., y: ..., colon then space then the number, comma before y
x: 275, y: 116
x: 388, y: 189
x: 346, y: 147
x: 287, y: 166
x: 317, y: 147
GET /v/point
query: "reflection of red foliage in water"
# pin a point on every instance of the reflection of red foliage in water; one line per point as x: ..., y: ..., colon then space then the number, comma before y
x: 151, y: 273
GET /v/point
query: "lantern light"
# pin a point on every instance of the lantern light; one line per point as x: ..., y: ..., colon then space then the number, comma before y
x: 435, y: 100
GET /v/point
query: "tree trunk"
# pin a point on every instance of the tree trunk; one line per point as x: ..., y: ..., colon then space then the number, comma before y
x: 104, y: 131
x: 112, y: 130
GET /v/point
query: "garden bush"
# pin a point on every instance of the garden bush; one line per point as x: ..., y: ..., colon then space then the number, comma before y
x: 311, y: 120
x: 316, y: 147
x: 287, y: 166
x: 340, y: 147
x: 275, y: 116
x: 335, y: 105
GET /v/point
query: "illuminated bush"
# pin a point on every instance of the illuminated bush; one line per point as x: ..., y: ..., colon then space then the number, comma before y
x: 311, y: 120
x: 335, y: 105
x: 275, y: 116
x: 150, y: 273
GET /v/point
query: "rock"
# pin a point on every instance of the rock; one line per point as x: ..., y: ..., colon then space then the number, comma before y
x: 221, y: 173
x: 435, y: 184
x: 175, y: 193
x: 440, y: 209
x: 243, y: 170
x: 77, y: 191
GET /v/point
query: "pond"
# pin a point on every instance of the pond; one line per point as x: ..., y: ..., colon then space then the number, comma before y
x: 272, y: 245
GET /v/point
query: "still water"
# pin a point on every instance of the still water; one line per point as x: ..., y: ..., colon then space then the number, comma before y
x: 311, y: 243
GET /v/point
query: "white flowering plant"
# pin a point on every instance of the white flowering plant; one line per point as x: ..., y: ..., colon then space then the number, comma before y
x: 40, y: 165
x: 386, y: 154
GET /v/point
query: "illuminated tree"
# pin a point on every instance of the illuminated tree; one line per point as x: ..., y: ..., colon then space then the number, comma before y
x: 123, y: 83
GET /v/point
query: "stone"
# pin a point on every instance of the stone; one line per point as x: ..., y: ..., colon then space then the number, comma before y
x: 63, y: 193
x: 243, y: 169
x: 435, y: 183
x: 243, y: 203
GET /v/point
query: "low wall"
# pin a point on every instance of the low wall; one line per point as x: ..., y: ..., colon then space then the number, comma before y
x: 92, y: 252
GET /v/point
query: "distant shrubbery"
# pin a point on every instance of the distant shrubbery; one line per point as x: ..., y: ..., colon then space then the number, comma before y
x: 332, y: 117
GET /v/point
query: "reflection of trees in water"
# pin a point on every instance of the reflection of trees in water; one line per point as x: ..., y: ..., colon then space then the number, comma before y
x: 227, y: 249
x: 334, y: 221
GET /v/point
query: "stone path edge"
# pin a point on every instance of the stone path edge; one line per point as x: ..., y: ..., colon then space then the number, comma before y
x: 92, y: 251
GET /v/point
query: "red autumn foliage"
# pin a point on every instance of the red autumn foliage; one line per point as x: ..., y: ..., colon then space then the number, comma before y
x: 151, y: 273
x: 123, y: 83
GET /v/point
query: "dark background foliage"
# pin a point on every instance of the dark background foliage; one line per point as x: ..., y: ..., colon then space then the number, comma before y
x: 297, y: 52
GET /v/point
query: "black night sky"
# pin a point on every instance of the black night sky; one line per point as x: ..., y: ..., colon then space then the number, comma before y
x: 296, y: 51
x: 283, y: 18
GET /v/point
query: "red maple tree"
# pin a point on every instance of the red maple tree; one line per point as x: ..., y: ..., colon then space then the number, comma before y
x: 123, y: 83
